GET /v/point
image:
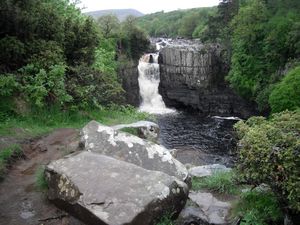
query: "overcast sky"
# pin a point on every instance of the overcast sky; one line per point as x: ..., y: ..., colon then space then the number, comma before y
x: 145, y: 6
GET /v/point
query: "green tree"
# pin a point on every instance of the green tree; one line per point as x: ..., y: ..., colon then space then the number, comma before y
x: 269, y: 153
x: 109, y: 25
x: 286, y: 94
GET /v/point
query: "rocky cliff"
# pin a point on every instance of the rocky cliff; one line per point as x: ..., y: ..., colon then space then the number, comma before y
x: 193, y: 76
x: 129, y: 74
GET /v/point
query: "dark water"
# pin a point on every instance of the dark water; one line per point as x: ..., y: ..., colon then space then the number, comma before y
x: 198, y: 140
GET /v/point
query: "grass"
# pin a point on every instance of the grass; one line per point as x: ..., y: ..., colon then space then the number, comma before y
x: 6, y: 155
x: 165, y: 220
x: 259, y: 208
x: 220, y: 182
x: 44, y: 121
x: 40, y: 180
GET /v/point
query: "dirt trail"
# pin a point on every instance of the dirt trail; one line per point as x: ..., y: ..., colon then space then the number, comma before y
x: 20, y: 201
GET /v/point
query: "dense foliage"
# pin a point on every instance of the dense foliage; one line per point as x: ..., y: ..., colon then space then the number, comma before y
x: 286, y: 94
x: 269, y: 153
x: 180, y: 23
x: 258, y: 207
x: 261, y: 39
x: 265, y: 42
x: 51, y: 54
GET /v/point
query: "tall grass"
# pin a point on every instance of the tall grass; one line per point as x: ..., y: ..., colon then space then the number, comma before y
x: 40, y: 180
x: 220, y: 182
x: 43, y: 121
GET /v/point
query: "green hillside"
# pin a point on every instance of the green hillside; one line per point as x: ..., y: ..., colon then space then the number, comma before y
x: 188, y: 23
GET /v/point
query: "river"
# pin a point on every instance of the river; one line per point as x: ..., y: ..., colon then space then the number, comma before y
x: 197, y: 140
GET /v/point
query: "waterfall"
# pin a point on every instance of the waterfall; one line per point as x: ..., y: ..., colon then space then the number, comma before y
x: 149, y: 79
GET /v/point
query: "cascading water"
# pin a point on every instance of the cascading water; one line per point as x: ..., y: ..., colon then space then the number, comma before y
x: 149, y: 79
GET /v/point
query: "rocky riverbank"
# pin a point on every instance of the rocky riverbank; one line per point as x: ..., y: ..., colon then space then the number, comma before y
x: 192, y: 76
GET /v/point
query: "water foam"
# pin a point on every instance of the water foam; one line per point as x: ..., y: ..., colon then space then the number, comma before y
x: 149, y: 79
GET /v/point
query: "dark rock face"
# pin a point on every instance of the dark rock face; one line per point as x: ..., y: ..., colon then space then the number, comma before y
x: 129, y: 75
x: 102, y: 190
x: 193, y: 76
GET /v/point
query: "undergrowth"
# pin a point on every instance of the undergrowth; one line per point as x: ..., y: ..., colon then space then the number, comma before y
x: 220, y: 182
x: 39, y: 122
x: 258, y: 207
x: 7, y: 154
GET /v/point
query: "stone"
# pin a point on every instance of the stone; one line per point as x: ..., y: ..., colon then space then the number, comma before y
x: 102, y: 190
x: 206, y: 211
x: 207, y: 170
x: 192, y: 215
x: 129, y: 74
x: 124, y: 146
x: 145, y: 129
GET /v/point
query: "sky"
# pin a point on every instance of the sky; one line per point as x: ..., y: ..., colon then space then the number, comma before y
x: 145, y: 6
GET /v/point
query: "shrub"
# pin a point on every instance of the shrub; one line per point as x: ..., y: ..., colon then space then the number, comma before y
x: 286, y: 94
x: 221, y: 182
x: 269, y: 152
x: 90, y: 87
x: 41, y: 85
x: 258, y: 207
x: 8, y: 84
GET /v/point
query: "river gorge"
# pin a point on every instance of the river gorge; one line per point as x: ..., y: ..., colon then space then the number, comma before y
x: 182, y: 85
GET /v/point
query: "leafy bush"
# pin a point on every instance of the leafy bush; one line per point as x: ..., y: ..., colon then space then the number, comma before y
x: 286, y: 94
x: 221, y: 182
x: 258, y: 207
x: 269, y: 152
x: 12, y: 52
x: 8, y: 84
x: 91, y: 88
x: 41, y: 85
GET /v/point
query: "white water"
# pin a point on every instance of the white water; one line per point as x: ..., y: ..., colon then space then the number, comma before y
x: 149, y: 79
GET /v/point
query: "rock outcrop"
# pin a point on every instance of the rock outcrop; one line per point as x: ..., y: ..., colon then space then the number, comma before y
x: 102, y: 190
x: 129, y: 75
x: 123, y: 146
x: 193, y: 76
x: 144, y: 129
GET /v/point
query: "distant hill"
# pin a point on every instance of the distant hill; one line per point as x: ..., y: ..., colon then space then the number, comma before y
x: 120, y: 13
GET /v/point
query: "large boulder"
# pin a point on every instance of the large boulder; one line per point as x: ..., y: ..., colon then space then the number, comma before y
x: 144, y: 129
x: 102, y: 190
x: 123, y: 146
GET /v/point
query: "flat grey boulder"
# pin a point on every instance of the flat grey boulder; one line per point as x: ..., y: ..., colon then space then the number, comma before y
x: 102, y: 190
x: 145, y: 129
x: 215, y: 211
x: 123, y: 146
x: 207, y: 170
